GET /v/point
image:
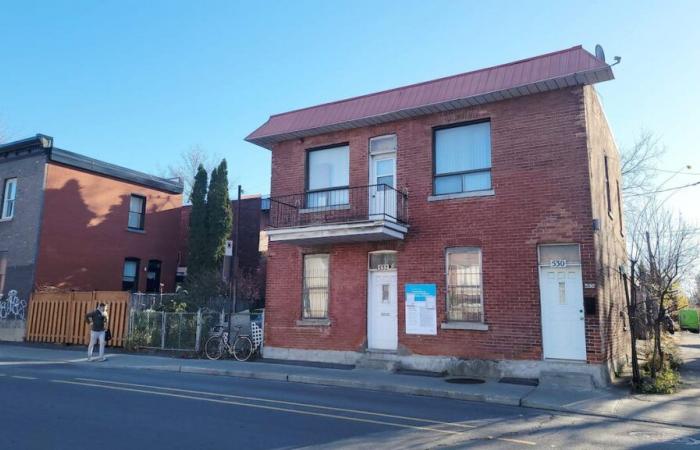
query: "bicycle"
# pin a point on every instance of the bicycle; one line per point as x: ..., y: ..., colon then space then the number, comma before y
x: 242, y: 348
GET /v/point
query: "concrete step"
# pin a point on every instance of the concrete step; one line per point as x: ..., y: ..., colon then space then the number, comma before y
x: 378, y: 361
x: 566, y: 380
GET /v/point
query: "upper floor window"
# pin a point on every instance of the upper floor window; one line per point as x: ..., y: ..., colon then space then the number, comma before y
x: 8, y: 198
x: 137, y: 212
x: 462, y: 158
x: 607, y: 186
x: 464, y: 290
x: 130, y: 275
x: 328, y: 176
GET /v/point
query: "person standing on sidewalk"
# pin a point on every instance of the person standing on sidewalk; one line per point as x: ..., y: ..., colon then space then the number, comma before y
x: 98, y: 321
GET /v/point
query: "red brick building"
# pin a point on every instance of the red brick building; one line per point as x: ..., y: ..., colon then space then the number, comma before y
x: 470, y: 224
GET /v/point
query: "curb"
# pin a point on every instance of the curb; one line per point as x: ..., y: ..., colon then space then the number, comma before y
x: 334, y: 382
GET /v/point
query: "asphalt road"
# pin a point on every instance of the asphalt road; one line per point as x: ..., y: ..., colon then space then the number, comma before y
x: 84, y: 406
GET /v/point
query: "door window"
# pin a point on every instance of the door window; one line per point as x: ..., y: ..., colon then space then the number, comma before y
x: 559, y: 255
x: 382, y: 261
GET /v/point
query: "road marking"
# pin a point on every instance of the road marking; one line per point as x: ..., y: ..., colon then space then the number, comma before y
x: 283, y: 402
x: 289, y: 410
x: 64, y: 361
x: 21, y: 377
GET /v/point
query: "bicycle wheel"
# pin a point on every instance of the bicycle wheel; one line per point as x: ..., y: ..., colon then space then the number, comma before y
x: 214, y: 348
x: 242, y: 348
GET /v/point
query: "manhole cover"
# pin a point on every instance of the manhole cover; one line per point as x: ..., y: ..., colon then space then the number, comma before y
x: 462, y: 380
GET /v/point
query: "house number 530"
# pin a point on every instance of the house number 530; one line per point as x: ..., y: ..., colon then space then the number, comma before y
x: 558, y: 263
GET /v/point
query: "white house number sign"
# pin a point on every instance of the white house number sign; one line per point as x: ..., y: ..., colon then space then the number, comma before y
x: 557, y: 263
x: 384, y: 267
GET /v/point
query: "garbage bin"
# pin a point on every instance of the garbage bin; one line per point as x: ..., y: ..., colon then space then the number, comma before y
x: 689, y: 319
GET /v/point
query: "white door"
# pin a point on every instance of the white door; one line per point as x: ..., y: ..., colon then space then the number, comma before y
x: 382, y: 311
x: 563, y: 320
x: 382, y: 196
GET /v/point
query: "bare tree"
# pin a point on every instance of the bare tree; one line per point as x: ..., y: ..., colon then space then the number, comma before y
x: 186, y: 167
x: 639, y: 163
x: 664, y: 246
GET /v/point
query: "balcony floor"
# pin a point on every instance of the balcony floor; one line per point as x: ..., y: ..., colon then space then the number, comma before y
x: 371, y: 230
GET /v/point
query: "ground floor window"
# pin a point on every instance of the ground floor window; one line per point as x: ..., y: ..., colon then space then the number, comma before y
x: 464, y: 287
x: 130, y: 275
x: 315, y: 296
x: 3, y: 271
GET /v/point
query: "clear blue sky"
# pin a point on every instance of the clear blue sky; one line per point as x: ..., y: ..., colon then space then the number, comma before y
x: 136, y: 83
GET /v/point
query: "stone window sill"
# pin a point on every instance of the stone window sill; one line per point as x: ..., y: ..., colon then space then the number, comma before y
x: 313, y: 323
x: 132, y: 230
x: 8, y: 219
x: 487, y: 193
x: 476, y: 326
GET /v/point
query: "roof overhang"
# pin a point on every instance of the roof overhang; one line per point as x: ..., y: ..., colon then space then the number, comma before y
x: 596, y: 75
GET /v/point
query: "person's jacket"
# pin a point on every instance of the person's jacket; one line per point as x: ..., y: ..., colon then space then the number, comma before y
x: 97, y: 319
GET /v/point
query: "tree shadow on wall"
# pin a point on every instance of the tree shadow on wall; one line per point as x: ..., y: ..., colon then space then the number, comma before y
x: 82, y: 248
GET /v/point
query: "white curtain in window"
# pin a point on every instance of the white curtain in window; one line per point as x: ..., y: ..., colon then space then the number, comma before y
x: 315, y: 286
x: 130, y: 268
x: 329, y: 168
x: 464, y: 148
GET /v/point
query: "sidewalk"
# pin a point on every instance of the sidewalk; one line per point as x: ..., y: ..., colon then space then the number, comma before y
x: 681, y: 409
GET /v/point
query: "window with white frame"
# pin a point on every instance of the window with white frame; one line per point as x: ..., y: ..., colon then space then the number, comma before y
x: 3, y: 271
x: 462, y: 158
x: 464, y: 287
x: 137, y: 212
x: 8, y: 198
x: 315, y: 296
x: 328, y: 176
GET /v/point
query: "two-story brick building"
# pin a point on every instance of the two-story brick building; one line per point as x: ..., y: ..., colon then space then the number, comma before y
x: 73, y: 222
x: 470, y: 224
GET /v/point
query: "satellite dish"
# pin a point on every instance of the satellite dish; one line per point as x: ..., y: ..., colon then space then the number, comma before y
x: 599, y: 53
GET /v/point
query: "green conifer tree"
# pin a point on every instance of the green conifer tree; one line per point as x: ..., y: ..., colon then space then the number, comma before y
x: 197, y: 241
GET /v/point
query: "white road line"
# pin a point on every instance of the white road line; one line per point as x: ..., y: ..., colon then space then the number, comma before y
x: 21, y: 377
x: 63, y: 361
x: 283, y: 402
x: 289, y: 410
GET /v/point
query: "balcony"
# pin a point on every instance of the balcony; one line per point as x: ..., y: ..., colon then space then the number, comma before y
x: 352, y: 214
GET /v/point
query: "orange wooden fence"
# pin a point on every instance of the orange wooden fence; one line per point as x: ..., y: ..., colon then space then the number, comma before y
x: 60, y: 317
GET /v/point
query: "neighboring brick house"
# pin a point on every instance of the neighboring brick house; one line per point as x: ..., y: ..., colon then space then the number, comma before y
x: 82, y: 224
x: 470, y: 224
x: 251, y: 244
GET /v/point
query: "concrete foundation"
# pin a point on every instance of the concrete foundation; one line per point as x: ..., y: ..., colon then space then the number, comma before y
x: 477, y: 368
x: 12, y: 330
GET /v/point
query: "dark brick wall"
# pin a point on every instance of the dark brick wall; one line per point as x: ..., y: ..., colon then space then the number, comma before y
x: 541, y: 181
x: 19, y: 236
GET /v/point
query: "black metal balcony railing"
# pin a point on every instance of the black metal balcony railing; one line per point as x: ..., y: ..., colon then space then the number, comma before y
x: 339, y: 205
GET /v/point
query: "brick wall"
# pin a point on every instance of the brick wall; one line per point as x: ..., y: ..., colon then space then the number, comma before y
x: 84, y: 236
x: 612, y: 332
x: 540, y: 179
x: 18, y: 236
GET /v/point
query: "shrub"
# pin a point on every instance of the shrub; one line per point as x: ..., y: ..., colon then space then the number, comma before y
x: 666, y: 382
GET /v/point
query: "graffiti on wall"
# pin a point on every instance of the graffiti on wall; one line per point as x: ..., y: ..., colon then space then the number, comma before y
x: 12, y: 307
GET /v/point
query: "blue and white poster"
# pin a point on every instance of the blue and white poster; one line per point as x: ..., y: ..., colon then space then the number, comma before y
x: 421, y: 315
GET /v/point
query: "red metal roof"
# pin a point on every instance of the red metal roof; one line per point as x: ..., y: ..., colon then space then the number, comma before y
x: 570, y: 67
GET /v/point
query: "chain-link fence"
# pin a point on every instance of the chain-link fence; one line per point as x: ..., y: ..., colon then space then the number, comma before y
x: 181, y: 331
